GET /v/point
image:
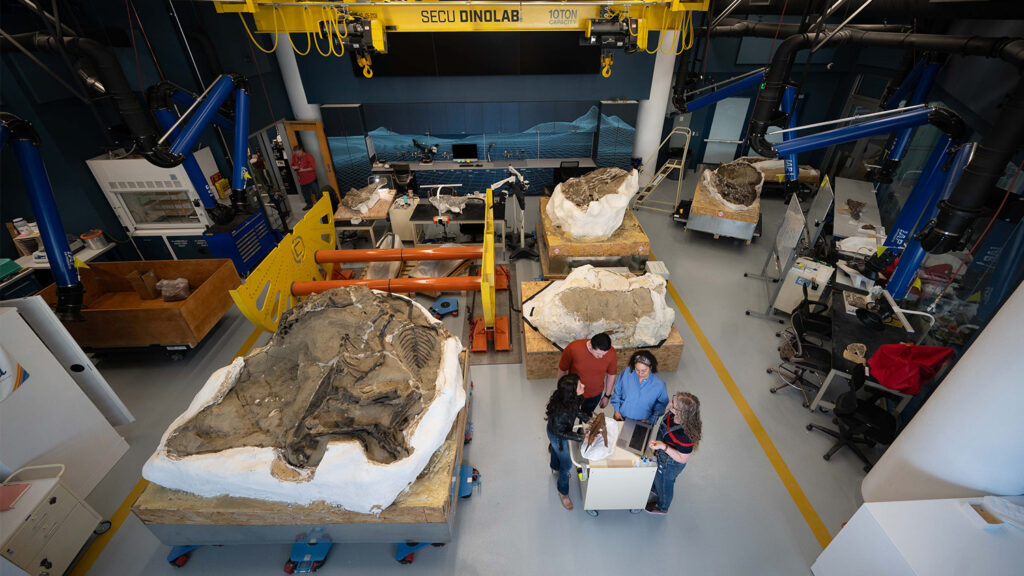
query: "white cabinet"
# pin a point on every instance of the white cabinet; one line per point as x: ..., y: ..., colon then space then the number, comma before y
x: 48, y: 525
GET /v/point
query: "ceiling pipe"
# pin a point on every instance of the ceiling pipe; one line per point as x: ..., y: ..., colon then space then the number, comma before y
x: 743, y: 28
x: 994, y: 151
x: 963, y: 9
x: 110, y: 74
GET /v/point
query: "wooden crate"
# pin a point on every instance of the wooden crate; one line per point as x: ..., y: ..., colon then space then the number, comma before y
x: 541, y: 358
x: 428, y: 500
x: 116, y: 317
x: 707, y: 205
x: 629, y: 240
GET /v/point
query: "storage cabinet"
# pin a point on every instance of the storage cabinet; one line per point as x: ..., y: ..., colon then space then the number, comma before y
x: 48, y: 525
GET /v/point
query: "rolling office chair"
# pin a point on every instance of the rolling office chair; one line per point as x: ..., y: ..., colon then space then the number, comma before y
x: 405, y: 180
x: 816, y: 320
x: 566, y: 169
x: 860, y: 420
x: 800, y: 359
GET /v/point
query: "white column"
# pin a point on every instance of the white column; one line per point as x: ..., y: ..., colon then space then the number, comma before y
x: 650, y: 117
x: 968, y: 439
x: 302, y: 109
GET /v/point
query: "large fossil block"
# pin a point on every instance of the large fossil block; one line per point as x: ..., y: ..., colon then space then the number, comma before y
x: 736, y: 184
x: 591, y: 207
x: 364, y: 198
x: 346, y: 404
x: 590, y: 300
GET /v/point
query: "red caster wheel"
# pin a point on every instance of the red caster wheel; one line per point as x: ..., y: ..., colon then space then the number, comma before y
x: 289, y: 567
x: 408, y: 559
x: 180, y: 560
x: 316, y: 566
x: 455, y: 314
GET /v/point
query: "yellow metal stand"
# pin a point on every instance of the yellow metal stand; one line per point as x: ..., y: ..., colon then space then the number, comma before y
x: 267, y: 292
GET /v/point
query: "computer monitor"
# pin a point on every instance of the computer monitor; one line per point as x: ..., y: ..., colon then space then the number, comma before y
x: 464, y: 152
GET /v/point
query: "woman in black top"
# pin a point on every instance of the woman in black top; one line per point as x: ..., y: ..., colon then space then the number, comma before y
x: 564, y: 407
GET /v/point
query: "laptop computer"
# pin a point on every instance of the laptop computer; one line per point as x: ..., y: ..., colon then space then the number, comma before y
x: 634, y: 436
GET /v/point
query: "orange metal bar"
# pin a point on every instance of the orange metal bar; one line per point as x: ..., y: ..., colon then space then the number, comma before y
x: 457, y: 283
x: 399, y: 254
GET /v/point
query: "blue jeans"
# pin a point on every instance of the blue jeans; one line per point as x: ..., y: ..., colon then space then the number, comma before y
x: 560, y: 461
x: 307, y: 192
x: 665, y: 479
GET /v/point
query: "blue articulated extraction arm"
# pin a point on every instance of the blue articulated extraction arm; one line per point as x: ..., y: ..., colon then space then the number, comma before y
x: 25, y: 142
x: 161, y: 98
x: 204, y: 112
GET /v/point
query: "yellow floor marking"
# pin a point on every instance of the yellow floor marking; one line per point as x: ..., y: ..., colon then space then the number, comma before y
x: 788, y: 480
x: 92, y: 553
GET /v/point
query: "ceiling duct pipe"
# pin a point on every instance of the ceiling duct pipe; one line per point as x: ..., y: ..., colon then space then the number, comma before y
x: 994, y: 151
x: 962, y: 9
x: 958, y: 212
x: 110, y: 74
x: 740, y: 28
x: 767, y: 112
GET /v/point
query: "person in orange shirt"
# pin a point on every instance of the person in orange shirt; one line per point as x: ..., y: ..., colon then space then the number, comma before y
x: 595, y: 362
x: 305, y: 169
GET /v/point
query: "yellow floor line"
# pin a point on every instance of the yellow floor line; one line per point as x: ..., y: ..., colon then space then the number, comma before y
x: 788, y: 480
x: 92, y: 553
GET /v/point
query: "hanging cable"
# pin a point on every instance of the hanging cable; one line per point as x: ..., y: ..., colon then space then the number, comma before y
x: 249, y: 32
x: 318, y: 34
x: 664, y: 13
x: 337, y: 32
x: 138, y: 67
x: 259, y: 73
x: 309, y: 41
x: 675, y: 39
x: 145, y: 38
x: 687, y: 41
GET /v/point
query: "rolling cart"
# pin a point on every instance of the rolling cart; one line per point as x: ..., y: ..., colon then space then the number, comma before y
x: 620, y: 482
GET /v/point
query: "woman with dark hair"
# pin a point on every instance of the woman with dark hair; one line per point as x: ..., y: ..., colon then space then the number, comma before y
x: 678, y: 436
x: 640, y: 393
x: 564, y: 407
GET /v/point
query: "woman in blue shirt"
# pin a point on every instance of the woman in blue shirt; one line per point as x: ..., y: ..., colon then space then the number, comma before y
x: 639, y: 392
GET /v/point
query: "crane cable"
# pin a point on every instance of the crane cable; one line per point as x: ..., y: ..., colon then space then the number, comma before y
x: 246, y: 25
x: 318, y: 34
x: 309, y: 40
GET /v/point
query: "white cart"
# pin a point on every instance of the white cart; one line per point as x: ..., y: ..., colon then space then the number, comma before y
x: 620, y: 482
x: 48, y: 525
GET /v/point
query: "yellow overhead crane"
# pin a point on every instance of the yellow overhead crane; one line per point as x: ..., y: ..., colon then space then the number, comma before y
x: 363, y: 26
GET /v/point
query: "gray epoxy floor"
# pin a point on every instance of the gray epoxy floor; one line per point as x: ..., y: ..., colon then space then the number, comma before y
x: 731, y: 515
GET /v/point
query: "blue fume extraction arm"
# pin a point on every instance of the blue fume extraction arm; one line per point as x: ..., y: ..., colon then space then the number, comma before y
x: 162, y: 97
x: 25, y: 141
x: 203, y: 112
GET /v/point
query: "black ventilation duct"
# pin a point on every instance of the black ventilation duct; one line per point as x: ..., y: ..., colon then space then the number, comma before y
x: 110, y: 74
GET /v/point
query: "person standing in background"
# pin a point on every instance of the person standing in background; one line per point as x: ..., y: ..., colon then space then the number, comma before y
x: 305, y: 169
x: 595, y: 362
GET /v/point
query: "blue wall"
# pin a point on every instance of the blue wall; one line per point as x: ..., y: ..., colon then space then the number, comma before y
x: 330, y: 80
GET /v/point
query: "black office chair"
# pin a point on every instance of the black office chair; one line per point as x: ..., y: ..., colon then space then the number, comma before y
x: 566, y: 169
x: 816, y: 320
x: 800, y: 359
x: 860, y: 420
x: 405, y: 179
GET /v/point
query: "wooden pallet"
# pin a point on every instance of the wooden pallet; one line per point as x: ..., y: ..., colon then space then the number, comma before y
x: 706, y: 204
x: 541, y: 358
x: 628, y: 240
